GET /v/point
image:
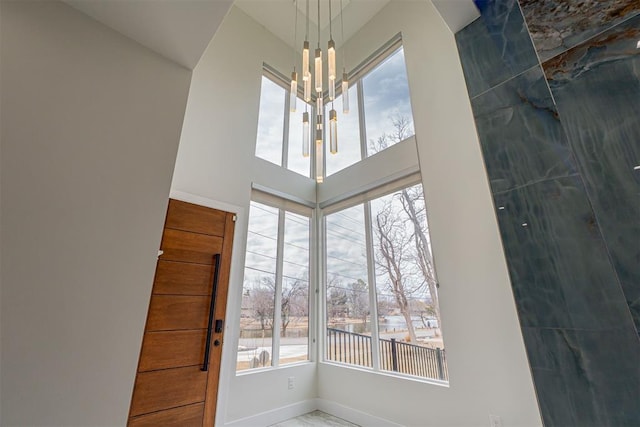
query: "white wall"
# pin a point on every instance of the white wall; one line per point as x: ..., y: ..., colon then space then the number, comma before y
x: 91, y: 124
x: 216, y: 162
x: 488, y: 367
x: 0, y: 222
x: 486, y: 357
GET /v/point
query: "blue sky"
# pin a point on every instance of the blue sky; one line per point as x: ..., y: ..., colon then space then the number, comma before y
x: 386, y: 96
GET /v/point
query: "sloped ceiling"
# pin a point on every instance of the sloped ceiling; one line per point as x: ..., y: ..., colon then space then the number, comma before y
x: 457, y: 13
x: 278, y: 17
x: 179, y: 30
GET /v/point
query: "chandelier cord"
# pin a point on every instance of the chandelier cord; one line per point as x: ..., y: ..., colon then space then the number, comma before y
x: 330, y: 26
x: 330, y: 37
x: 344, y: 64
x: 318, y: 24
x: 306, y: 33
x: 295, y: 35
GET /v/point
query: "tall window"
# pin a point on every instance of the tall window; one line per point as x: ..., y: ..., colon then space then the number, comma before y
x: 274, y: 324
x: 279, y: 137
x: 349, y: 144
x: 388, y: 118
x: 380, y: 307
x: 271, y: 122
x: 381, y: 295
x: 380, y: 113
x: 380, y: 116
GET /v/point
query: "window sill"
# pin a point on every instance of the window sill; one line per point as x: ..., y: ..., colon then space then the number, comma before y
x: 388, y: 374
x: 273, y: 368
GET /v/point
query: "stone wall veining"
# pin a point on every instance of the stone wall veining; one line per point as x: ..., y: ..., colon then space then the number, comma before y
x: 596, y: 86
x: 559, y: 25
x: 560, y: 142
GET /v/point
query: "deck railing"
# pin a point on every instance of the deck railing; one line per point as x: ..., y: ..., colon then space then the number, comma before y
x: 395, y: 356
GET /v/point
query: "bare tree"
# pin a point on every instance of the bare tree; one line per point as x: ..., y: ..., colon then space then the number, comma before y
x: 337, y: 299
x: 262, y: 304
x: 414, y: 206
x: 358, y: 297
x: 402, y: 129
x: 293, y: 303
x: 394, y: 246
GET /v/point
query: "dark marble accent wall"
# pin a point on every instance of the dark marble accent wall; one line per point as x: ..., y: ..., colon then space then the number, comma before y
x: 560, y: 144
x: 596, y: 86
x: 559, y: 25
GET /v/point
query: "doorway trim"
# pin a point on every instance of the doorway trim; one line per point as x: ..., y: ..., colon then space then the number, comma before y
x: 236, y: 273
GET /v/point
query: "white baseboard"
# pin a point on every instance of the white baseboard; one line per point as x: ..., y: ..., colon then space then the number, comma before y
x: 352, y: 415
x: 278, y: 415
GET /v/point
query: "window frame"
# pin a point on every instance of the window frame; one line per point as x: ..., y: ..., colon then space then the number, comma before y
x: 375, y: 185
x: 284, y: 205
x: 356, y: 77
x: 365, y: 198
x: 279, y: 79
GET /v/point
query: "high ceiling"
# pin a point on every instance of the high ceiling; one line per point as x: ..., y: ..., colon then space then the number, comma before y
x: 176, y: 29
x: 278, y: 16
x: 182, y: 29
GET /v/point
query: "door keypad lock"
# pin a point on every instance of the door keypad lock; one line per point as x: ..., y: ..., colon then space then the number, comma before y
x: 219, y: 326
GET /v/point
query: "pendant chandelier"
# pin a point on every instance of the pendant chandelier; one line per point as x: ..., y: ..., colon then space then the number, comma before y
x: 315, y: 81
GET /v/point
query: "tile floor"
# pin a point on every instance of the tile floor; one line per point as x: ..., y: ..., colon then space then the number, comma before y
x: 315, y: 419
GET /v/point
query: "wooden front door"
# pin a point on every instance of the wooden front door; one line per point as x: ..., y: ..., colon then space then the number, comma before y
x: 177, y: 379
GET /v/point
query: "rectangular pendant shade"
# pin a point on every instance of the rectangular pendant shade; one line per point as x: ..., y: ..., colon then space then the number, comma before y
x: 319, y: 158
x: 331, y: 60
x: 293, y: 92
x: 319, y: 106
x: 305, y: 134
x: 318, y: 70
x: 345, y: 93
x: 307, y: 87
x: 305, y: 60
x: 333, y: 131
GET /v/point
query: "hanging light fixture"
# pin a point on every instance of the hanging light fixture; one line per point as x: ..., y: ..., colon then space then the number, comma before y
x: 331, y: 73
x: 316, y: 82
x: 331, y: 60
x: 293, y: 92
x: 306, y: 74
x: 306, y: 81
x: 305, y: 134
x: 345, y: 77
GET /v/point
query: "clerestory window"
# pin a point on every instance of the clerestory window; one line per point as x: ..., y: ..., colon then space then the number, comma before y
x: 279, y: 132
x: 380, y: 115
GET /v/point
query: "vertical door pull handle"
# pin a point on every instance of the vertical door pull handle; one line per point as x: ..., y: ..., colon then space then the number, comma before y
x: 212, y: 307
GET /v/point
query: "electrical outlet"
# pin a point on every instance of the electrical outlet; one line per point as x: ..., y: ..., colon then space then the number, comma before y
x: 495, y: 421
x: 292, y: 383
